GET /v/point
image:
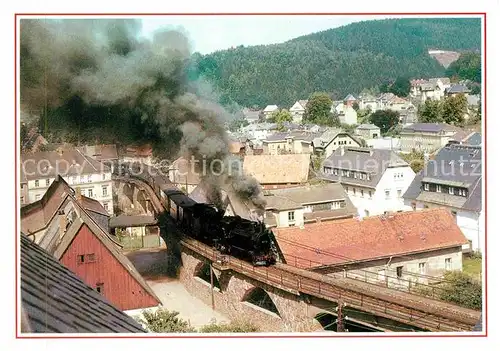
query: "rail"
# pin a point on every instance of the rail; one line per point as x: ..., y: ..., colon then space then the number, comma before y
x: 416, y: 310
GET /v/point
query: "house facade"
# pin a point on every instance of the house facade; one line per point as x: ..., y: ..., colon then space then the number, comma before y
x: 89, y: 176
x: 296, y: 142
x: 397, y: 250
x: 75, y: 238
x: 453, y: 181
x: 268, y: 111
x: 307, y: 204
x: 374, y: 179
x: 332, y: 139
x: 426, y: 137
x: 368, y: 131
x: 431, y: 89
x: 297, y: 110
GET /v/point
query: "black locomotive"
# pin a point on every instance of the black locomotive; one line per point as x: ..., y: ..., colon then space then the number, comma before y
x: 248, y: 240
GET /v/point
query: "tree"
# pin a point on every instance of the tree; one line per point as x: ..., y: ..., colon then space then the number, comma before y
x: 364, y: 116
x: 318, y: 108
x: 454, y: 109
x: 415, y: 159
x: 355, y: 106
x: 462, y: 289
x: 430, y: 112
x: 281, y: 116
x: 467, y: 67
x: 385, y: 119
x: 164, y: 321
x: 23, y: 134
x: 401, y: 87
x: 237, y: 123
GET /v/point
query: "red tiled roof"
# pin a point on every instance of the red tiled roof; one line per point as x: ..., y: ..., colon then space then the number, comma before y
x: 342, y: 241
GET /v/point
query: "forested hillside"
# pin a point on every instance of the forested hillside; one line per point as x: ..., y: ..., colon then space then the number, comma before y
x: 338, y: 61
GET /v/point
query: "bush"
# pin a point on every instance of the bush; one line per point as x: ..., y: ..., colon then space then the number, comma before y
x: 232, y: 327
x: 164, y: 321
x: 463, y: 290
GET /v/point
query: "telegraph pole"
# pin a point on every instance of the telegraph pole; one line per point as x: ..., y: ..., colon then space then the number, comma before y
x: 340, y: 322
x: 212, y: 285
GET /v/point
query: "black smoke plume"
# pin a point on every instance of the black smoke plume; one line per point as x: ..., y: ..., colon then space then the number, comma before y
x: 98, y: 80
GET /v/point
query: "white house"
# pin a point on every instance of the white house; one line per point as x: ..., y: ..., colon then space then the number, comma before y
x: 330, y: 140
x: 429, y: 137
x: 260, y: 131
x: 297, y: 110
x: 453, y: 180
x: 268, y: 111
x: 374, y: 179
x: 91, y: 177
x: 368, y: 131
x: 431, y: 89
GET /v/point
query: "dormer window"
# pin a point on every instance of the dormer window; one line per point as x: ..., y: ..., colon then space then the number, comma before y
x: 438, y: 188
x: 450, y: 190
x: 426, y: 186
x: 335, y: 171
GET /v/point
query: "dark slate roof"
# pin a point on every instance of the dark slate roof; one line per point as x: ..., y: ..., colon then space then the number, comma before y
x: 457, y: 88
x: 372, y: 161
x: 474, y: 139
x: 456, y: 165
x: 55, y: 300
x: 350, y: 98
x: 123, y: 221
x: 428, y: 127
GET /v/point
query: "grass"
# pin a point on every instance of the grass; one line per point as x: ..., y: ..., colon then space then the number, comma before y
x: 472, y: 266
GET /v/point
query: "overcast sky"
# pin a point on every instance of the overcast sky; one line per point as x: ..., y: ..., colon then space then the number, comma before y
x: 211, y: 33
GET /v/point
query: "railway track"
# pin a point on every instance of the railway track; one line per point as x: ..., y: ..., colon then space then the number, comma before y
x: 419, y: 311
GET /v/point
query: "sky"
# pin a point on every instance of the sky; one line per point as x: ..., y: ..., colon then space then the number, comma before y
x: 210, y: 33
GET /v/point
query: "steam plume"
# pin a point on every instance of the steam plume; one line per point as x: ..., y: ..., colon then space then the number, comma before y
x: 99, y: 77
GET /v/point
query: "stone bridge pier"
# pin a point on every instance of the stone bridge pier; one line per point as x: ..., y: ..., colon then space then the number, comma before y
x: 131, y: 200
x: 241, y: 298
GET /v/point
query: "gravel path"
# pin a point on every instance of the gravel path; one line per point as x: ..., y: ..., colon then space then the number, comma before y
x: 151, y: 265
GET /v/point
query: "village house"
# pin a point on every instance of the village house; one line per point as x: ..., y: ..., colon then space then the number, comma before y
x: 184, y: 174
x: 331, y: 139
x: 432, y: 89
x: 106, y: 154
x: 62, y: 226
x: 374, y: 179
x: 307, y: 204
x: 251, y: 116
x: 368, y: 131
x: 278, y: 171
x: 368, y: 102
x: 268, y: 111
x: 385, y: 143
x: 453, y: 180
x: 428, y: 137
x: 138, y: 154
x: 78, y: 308
x: 295, y: 142
x: 89, y: 176
x: 457, y: 89
x: 260, y: 131
x: 347, y: 114
x: 297, y: 110
x: 396, y: 250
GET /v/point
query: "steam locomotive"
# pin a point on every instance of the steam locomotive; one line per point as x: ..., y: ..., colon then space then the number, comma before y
x: 232, y: 235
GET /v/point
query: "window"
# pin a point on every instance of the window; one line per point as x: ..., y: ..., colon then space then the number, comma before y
x: 47, y: 182
x: 89, y: 178
x: 105, y: 205
x: 450, y: 190
x: 426, y: 206
x: 447, y: 264
x: 354, y: 191
x: 426, y: 186
x: 104, y: 190
x: 370, y: 194
x: 104, y: 177
x: 22, y: 199
x: 91, y: 193
x: 37, y: 197
x: 99, y: 288
x: 80, y: 259
x: 368, y: 177
x: 399, y: 271
x: 356, y: 175
x: 347, y: 190
x: 387, y: 194
x: 421, y: 267
x: 438, y: 188
x: 414, y: 206
x: 335, y: 171
x: 37, y: 183
x: 362, y: 193
x: 399, y: 192
x: 291, y: 216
